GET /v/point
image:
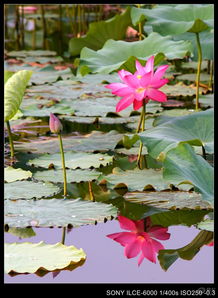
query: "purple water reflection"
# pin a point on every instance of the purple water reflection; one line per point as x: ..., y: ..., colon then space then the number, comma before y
x: 106, y: 262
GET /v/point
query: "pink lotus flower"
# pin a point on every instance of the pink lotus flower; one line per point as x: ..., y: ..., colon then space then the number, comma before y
x: 55, y: 124
x: 143, y: 84
x: 139, y: 240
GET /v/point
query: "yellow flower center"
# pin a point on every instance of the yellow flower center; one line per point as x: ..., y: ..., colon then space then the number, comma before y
x: 140, y: 90
x: 139, y: 76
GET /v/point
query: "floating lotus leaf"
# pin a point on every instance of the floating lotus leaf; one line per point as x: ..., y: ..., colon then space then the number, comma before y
x: 187, y: 217
x: 182, y: 164
x: 11, y: 174
x: 14, y: 91
x: 100, y: 32
x: 95, y: 141
x: 192, y: 65
x: 22, y: 232
x: 37, y: 53
x: 169, y: 200
x: 184, y: 129
x: 192, y: 77
x: 41, y: 258
x: 34, y: 111
x: 167, y: 257
x: 180, y: 90
x: 73, y: 160
x: 172, y: 20
x: 115, y: 54
x: 207, y: 224
x: 29, y: 190
x: 207, y: 100
x: 72, y: 175
x: 137, y: 179
x: 56, y: 213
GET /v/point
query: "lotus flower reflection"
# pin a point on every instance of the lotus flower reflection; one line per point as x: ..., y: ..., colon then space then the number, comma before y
x: 142, y: 85
x: 140, y: 238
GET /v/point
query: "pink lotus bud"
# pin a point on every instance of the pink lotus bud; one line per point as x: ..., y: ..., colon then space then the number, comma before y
x: 55, y: 124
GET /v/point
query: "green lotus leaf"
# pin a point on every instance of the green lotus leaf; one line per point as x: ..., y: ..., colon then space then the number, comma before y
x: 100, y: 32
x: 206, y: 40
x: 159, y: 216
x: 184, y: 129
x: 187, y: 217
x: 72, y: 175
x: 37, y: 53
x: 169, y: 200
x: 14, y: 91
x: 41, y: 258
x: 137, y: 179
x: 176, y: 19
x: 167, y: 257
x: 22, y: 232
x: 114, y: 54
x: 56, y: 213
x: 7, y: 75
x: 207, y: 101
x: 11, y: 174
x: 192, y: 77
x: 73, y: 160
x: 207, y: 224
x: 180, y: 90
x: 96, y: 141
x: 182, y: 164
x: 29, y: 190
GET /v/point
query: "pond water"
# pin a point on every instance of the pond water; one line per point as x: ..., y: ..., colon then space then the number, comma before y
x: 106, y: 262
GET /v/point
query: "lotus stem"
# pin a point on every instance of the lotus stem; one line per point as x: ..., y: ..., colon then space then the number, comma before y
x: 10, y: 139
x: 92, y: 198
x: 44, y: 43
x: 63, y: 235
x: 198, y: 70
x: 211, y: 76
x: 63, y: 164
x: 17, y: 27
x: 139, y: 159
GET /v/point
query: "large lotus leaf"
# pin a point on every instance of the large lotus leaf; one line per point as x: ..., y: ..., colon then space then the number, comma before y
x: 187, y: 217
x: 181, y: 18
x: 11, y: 174
x: 7, y: 75
x: 206, y: 40
x: 100, y: 32
x: 72, y: 175
x: 137, y: 179
x: 73, y: 160
x: 195, y: 129
x: 42, y: 60
x: 56, y: 213
x: 29, y: 190
x: 114, y: 54
x: 95, y: 141
x: 182, y: 164
x: 168, y: 256
x: 192, y: 66
x: 168, y: 199
x: 207, y: 224
x: 14, y: 91
x: 41, y: 258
